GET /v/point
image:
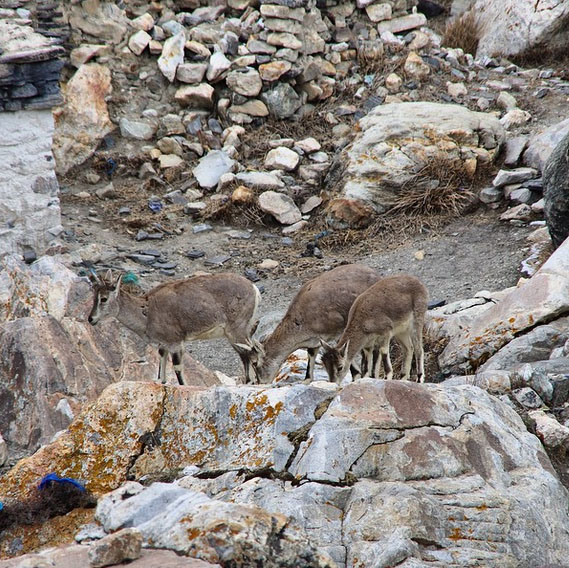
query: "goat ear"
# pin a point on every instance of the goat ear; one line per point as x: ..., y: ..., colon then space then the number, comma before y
x: 255, y: 327
x: 325, y: 345
x: 345, y: 349
x: 243, y: 347
x: 117, y: 283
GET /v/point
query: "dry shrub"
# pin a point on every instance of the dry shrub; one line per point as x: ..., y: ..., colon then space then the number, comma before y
x: 441, y: 186
x: 237, y: 214
x: 544, y: 56
x: 463, y: 32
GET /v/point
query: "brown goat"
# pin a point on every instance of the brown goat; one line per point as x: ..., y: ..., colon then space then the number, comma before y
x: 203, y: 307
x: 318, y: 311
x: 393, y: 307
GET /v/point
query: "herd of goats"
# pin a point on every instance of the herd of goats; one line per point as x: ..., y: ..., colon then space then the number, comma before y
x: 351, y: 301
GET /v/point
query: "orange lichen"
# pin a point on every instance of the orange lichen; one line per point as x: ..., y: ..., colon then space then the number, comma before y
x: 456, y: 534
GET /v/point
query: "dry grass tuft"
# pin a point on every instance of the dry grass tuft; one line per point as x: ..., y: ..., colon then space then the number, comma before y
x: 463, y: 32
x: 236, y: 214
x: 441, y: 186
x: 544, y: 56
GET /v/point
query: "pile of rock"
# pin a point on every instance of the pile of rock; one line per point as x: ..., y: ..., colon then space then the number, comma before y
x: 31, y: 64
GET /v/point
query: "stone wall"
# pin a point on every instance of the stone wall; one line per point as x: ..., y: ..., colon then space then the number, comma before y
x: 30, y: 65
x: 30, y: 214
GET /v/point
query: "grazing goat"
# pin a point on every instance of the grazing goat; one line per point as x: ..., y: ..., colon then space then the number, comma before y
x: 393, y: 307
x: 202, y: 307
x: 318, y: 311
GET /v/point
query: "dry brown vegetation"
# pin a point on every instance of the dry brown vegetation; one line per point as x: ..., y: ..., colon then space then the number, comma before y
x: 463, y: 32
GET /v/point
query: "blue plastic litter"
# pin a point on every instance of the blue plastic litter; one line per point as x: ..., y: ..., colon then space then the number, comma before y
x: 53, y: 477
x: 155, y: 205
x: 1, y: 506
x: 111, y: 167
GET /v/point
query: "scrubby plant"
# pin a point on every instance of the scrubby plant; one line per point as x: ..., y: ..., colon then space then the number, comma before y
x: 441, y: 186
x: 463, y: 32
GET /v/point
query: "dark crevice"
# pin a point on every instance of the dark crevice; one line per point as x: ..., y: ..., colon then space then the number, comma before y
x: 428, y: 543
x: 299, y: 436
x: 148, y: 441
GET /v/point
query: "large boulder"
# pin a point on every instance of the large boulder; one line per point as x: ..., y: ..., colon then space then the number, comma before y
x: 403, y: 472
x: 515, y: 26
x: 183, y: 520
x: 396, y: 141
x: 52, y: 360
x: 83, y: 121
x: 540, y: 300
x: 541, y: 145
x: 556, y: 192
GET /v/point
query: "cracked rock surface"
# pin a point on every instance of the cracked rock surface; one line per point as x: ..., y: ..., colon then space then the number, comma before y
x: 375, y: 474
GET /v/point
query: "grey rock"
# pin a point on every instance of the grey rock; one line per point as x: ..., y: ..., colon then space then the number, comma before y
x: 282, y: 101
x: 506, y: 177
x: 260, y: 180
x: 172, y: 55
x: 535, y: 345
x: 191, y: 72
x: 136, y: 129
x: 28, y: 183
x: 280, y: 206
x: 539, y: 300
x: 541, y: 146
x: 118, y: 509
x: 388, y: 129
x: 528, y: 398
x: 211, y: 167
x: 514, y: 150
x: 491, y: 194
x: 555, y: 192
x: 507, y: 33
x: 122, y: 546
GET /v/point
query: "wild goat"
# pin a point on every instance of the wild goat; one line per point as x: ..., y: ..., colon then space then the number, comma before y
x: 318, y: 311
x: 202, y: 307
x: 393, y: 307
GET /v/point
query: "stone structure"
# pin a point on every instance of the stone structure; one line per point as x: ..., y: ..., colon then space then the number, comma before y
x: 29, y: 87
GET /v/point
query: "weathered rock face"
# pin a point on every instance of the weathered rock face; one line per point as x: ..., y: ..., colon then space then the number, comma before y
x: 399, y: 139
x: 29, y: 88
x: 30, y: 216
x: 388, y: 469
x: 52, y: 360
x: 84, y: 119
x: 539, y: 300
x: 556, y: 192
x: 182, y: 520
x: 77, y: 555
x: 512, y: 27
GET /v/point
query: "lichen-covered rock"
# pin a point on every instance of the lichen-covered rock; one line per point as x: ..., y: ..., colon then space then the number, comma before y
x: 225, y: 428
x: 245, y: 535
x: 395, y: 470
x: 52, y: 360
